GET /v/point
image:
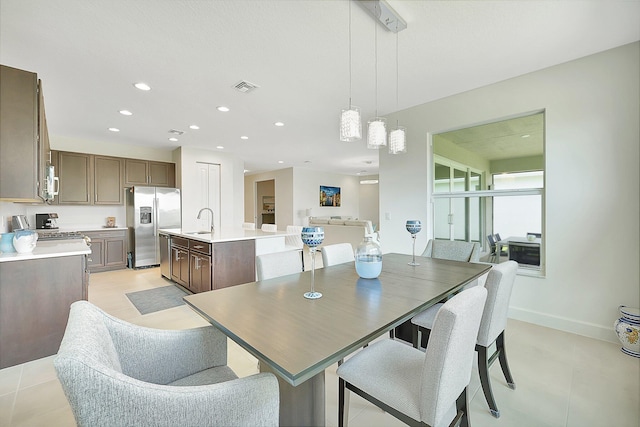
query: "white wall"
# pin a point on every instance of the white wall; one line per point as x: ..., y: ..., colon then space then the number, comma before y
x: 307, y: 194
x: 298, y: 189
x: 231, y: 185
x: 592, y: 156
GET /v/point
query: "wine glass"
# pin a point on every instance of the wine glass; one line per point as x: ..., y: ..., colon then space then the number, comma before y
x: 414, y: 226
x: 312, y: 237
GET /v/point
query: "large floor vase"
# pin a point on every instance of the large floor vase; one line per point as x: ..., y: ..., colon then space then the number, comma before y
x: 627, y: 328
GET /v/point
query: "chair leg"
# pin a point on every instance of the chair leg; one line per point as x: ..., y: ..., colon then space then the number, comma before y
x: 343, y: 404
x: 503, y: 361
x: 483, y: 370
x: 392, y: 333
x: 415, y: 335
x: 462, y: 411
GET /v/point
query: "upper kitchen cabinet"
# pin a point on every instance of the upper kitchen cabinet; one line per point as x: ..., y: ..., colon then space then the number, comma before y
x: 142, y: 172
x: 75, y: 173
x: 87, y: 179
x: 108, y: 180
x: 18, y: 135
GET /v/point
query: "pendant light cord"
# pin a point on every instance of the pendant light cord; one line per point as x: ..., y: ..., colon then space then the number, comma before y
x: 376, y: 57
x: 350, y: 78
x: 397, y: 80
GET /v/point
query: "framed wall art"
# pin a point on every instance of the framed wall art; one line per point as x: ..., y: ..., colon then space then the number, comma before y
x: 329, y: 196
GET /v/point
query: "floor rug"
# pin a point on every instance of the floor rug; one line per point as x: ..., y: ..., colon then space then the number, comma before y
x: 157, y: 299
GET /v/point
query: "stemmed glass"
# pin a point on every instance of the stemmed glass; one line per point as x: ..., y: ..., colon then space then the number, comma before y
x: 312, y: 237
x: 414, y: 226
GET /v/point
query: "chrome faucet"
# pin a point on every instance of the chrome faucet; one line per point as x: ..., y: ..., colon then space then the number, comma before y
x: 200, y: 214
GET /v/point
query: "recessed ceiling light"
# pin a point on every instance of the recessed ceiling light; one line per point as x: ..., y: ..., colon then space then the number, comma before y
x: 223, y: 108
x: 114, y: 129
x: 244, y: 137
x: 220, y: 147
x: 280, y: 161
x: 172, y: 139
x: 142, y: 86
x: 126, y: 113
x: 526, y: 135
x: 194, y: 127
x: 280, y: 124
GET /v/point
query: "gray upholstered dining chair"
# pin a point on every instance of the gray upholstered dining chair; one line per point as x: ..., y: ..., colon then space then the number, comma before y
x: 452, y: 249
x: 419, y: 388
x: 499, y: 285
x: 115, y: 373
x: 337, y: 254
x: 278, y: 264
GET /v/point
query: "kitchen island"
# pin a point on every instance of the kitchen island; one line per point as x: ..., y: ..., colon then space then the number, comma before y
x: 201, y: 261
x: 36, y: 290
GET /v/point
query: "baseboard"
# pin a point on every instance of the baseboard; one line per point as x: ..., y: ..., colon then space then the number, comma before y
x: 586, y: 329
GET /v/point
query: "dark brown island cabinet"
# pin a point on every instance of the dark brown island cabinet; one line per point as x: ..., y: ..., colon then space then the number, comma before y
x: 203, y: 266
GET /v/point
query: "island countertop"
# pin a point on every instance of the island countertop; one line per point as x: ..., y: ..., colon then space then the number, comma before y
x: 224, y: 235
x: 50, y: 249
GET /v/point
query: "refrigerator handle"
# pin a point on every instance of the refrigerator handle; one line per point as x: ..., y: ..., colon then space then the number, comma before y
x: 156, y: 216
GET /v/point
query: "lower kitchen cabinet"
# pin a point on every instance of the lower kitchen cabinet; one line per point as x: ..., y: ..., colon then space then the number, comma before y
x: 201, y: 266
x: 35, y: 296
x: 200, y: 272
x: 108, y: 250
x: 180, y: 261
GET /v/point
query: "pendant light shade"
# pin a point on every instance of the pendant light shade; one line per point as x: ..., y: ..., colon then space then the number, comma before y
x: 377, y: 133
x: 350, y: 121
x: 350, y: 124
x: 397, y: 141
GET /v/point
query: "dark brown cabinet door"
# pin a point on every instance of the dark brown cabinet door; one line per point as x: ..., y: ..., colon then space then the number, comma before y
x: 74, y: 172
x: 180, y: 266
x: 115, y: 253
x: 108, y: 177
x: 44, y: 149
x: 160, y: 174
x: 200, y: 273
x: 18, y: 134
x: 136, y: 172
x: 96, y: 259
x: 233, y: 263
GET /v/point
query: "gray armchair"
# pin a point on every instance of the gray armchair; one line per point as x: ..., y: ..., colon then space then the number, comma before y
x: 118, y: 374
x: 452, y: 249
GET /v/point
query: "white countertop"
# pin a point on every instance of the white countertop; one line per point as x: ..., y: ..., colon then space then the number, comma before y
x: 50, y: 249
x: 225, y: 234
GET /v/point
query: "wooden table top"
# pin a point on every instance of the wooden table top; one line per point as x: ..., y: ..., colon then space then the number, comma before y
x: 299, y: 338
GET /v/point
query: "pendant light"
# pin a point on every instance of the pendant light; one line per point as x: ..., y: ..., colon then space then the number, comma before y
x: 377, y: 127
x: 350, y: 121
x: 398, y: 136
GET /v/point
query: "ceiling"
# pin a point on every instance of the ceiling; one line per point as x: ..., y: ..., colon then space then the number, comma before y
x: 504, y: 139
x: 90, y: 52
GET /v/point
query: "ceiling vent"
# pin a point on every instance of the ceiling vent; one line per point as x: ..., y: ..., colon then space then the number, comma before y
x: 245, y: 86
x: 176, y: 132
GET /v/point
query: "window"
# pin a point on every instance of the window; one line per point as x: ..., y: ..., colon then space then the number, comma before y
x: 489, y: 179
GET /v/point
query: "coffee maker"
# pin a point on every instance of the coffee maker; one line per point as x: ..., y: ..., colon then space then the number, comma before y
x: 47, y: 221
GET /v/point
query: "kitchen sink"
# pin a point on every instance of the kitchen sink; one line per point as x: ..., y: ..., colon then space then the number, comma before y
x: 199, y: 232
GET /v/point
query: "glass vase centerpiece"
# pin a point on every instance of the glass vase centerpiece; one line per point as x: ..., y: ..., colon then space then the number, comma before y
x: 312, y: 237
x: 413, y: 227
x: 368, y: 258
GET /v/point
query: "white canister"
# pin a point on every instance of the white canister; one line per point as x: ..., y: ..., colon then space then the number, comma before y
x: 24, y: 241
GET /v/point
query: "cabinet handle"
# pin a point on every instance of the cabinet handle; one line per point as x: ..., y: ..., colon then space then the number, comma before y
x: 197, y: 263
x: 177, y: 254
x: 198, y: 246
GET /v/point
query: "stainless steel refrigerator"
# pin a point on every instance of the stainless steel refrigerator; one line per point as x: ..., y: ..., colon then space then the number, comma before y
x: 148, y: 210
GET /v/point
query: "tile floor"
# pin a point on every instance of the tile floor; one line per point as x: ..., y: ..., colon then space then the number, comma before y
x: 562, y: 379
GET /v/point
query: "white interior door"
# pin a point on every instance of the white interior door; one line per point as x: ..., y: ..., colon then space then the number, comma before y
x: 209, y: 194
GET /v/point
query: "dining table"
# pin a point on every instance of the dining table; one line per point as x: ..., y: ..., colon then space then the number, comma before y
x: 297, y: 338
